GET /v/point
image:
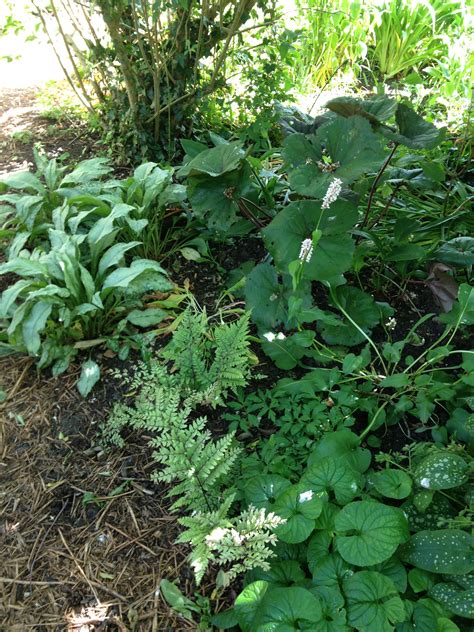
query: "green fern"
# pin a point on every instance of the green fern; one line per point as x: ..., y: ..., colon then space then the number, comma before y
x: 207, y: 363
x: 197, y: 464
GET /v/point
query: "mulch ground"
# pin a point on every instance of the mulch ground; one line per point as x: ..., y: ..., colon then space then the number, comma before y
x: 85, y: 538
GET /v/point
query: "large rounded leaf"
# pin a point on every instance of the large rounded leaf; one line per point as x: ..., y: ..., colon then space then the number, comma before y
x: 458, y: 251
x: 330, y: 571
x: 266, y: 296
x: 290, y: 609
x: 441, y: 470
x: 392, y: 483
x: 281, y: 573
x: 300, y: 506
x: 369, y: 532
x: 413, y: 130
x: 262, y: 491
x: 250, y: 605
x: 447, y: 551
x: 343, y: 445
x: 332, y: 476
x: 334, y: 615
x: 373, y: 604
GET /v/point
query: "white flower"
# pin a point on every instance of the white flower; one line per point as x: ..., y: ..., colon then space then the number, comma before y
x: 391, y: 324
x: 305, y: 496
x: 306, y: 250
x: 425, y: 482
x: 88, y: 371
x: 281, y: 336
x: 270, y: 336
x: 333, y: 192
x: 216, y: 535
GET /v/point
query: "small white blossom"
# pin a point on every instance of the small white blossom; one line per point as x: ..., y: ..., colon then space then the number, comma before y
x: 391, y: 324
x: 281, y: 336
x: 273, y: 297
x: 306, y: 250
x: 333, y: 192
x: 88, y: 371
x: 270, y: 336
x: 216, y: 535
x: 304, y: 497
x: 425, y: 482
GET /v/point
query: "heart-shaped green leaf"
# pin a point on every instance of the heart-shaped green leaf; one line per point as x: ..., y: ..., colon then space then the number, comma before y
x: 368, y: 532
x: 372, y: 602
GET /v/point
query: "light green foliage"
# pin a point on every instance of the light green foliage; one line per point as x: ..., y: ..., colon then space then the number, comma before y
x: 85, y: 197
x: 211, y: 360
x: 81, y: 283
x: 198, y: 467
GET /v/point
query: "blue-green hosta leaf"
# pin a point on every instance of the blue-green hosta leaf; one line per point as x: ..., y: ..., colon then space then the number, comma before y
x: 392, y: 483
x: 372, y: 602
x: 24, y: 180
x: 330, y: 571
x: 413, y: 130
x: 281, y: 573
x: 333, y: 616
x: 351, y: 146
x: 458, y: 251
x: 24, y: 267
x: 34, y: 323
x: 343, y: 445
x: 300, y: 506
x: 90, y: 374
x: 441, y: 470
x: 123, y: 277
x: 262, y: 491
x: 146, y: 317
x: 454, y: 598
x: 369, y: 533
x: 214, y: 161
x: 87, y: 171
x: 448, y: 551
x: 334, y: 477
x: 114, y: 255
x: 11, y: 294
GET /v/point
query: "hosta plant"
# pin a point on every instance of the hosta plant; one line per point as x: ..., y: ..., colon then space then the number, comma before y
x: 85, y: 196
x: 77, y: 293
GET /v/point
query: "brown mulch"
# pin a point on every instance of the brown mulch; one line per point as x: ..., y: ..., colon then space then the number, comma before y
x: 85, y: 538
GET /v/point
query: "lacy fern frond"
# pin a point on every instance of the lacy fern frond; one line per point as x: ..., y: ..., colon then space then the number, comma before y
x: 187, y: 349
x: 195, y: 462
x: 238, y: 544
x: 230, y: 368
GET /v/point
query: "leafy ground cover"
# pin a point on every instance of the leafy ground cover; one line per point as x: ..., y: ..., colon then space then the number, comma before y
x: 237, y: 390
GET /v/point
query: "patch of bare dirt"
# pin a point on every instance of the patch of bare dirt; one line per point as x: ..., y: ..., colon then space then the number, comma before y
x: 24, y: 124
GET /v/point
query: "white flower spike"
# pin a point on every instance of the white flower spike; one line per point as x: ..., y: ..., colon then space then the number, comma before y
x: 306, y: 250
x: 333, y: 192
